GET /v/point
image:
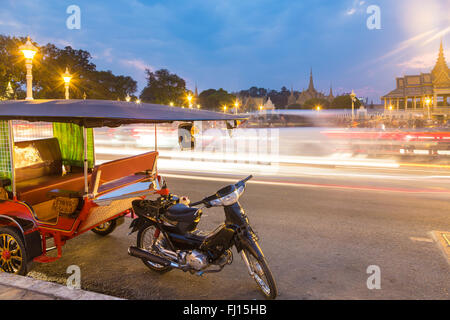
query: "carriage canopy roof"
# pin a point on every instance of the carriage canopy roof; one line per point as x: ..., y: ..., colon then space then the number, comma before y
x: 100, y: 113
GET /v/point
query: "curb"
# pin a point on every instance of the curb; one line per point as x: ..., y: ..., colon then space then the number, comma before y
x: 51, y: 290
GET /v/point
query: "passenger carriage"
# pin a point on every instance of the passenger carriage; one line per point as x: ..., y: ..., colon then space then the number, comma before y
x: 51, y: 187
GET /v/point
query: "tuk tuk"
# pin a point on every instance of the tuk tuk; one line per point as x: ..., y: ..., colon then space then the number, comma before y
x: 50, y: 185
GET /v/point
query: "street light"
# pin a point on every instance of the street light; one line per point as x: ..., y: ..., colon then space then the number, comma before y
x: 318, y: 107
x: 224, y: 109
x: 67, y: 77
x: 428, y: 102
x: 171, y: 103
x: 189, y: 99
x: 198, y: 106
x: 236, y: 105
x: 353, y: 96
x: 128, y: 98
x: 261, y: 108
x: 29, y: 50
x: 138, y: 101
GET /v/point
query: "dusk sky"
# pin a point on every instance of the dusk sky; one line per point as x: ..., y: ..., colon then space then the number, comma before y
x: 237, y: 44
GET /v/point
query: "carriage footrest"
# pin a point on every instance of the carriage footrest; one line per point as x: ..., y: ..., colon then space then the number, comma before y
x: 44, y: 259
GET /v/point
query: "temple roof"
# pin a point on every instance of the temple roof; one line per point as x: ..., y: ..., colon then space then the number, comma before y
x: 441, y: 72
x: 311, y: 82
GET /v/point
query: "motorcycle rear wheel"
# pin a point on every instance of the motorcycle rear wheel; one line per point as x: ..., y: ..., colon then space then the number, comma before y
x: 146, y: 241
x: 262, y: 275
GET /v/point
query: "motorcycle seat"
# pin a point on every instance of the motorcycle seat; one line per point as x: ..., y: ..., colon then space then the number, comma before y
x: 182, y: 213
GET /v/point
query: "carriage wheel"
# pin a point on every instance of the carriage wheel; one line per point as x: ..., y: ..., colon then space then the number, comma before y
x: 13, y: 258
x: 105, y: 228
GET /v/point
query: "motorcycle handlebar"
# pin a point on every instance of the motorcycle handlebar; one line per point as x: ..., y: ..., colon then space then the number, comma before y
x: 243, y: 181
x: 196, y: 203
x: 246, y: 179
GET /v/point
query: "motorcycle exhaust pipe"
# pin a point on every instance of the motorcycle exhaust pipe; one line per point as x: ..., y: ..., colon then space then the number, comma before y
x: 144, y: 254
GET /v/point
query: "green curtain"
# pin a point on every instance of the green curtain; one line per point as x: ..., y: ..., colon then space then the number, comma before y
x: 5, y: 161
x: 70, y: 137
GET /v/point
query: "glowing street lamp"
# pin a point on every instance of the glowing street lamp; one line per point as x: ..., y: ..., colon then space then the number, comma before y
x: 318, y: 108
x: 67, y: 77
x: 29, y: 50
x: 138, y: 101
x: 236, y: 106
x: 428, y: 102
x: 224, y: 109
x: 171, y: 103
x: 128, y: 98
x: 261, y: 108
x: 353, y: 96
x: 198, y: 106
x: 189, y: 99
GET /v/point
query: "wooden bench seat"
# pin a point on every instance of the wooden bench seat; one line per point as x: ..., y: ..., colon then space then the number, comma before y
x: 38, y: 169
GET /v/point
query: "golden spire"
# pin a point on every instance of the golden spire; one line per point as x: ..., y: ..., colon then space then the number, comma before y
x: 441, y: 72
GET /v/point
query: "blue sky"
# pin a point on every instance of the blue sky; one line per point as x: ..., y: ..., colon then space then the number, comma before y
x: 235, y: 44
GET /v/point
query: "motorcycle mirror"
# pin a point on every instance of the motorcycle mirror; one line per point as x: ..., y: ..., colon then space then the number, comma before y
x: 186, y: 132
x: 159, y: 183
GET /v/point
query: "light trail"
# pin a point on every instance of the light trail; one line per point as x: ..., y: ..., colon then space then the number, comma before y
x: 309, y: 185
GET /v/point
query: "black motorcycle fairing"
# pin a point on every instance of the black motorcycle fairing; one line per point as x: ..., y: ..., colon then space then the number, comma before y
x: 235, y: 214
x: 216, y: 242
x: 247, y: 240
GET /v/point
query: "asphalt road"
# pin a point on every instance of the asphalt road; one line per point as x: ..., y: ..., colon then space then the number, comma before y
x: 319, y: 234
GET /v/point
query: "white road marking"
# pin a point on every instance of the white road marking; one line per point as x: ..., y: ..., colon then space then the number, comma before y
x: 421, y: 239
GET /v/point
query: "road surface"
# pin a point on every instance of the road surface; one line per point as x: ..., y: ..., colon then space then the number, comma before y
x: 320, y: 229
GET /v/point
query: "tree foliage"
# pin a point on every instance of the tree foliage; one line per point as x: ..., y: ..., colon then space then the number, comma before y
x: 12, y: 66
x: 212, y: 99
x: 344, y: 102
x: 49, y: 64
x: 164, y: 87
x: 314, y: 102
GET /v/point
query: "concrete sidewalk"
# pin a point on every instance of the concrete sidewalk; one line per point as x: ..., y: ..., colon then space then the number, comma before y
x: 13, y: 287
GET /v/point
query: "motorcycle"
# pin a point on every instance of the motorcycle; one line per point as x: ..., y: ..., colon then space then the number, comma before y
x: 168, y: 237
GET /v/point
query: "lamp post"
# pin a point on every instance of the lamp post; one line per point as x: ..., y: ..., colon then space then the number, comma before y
x: 67, y: 77
x: 353, y: 96
x: 224, y: 109
x: 128, y: 98
x: 318, y: 108
x: 427, y: 102
x: 189, y: 99
x: 236, y: 105
x: 29, y: 50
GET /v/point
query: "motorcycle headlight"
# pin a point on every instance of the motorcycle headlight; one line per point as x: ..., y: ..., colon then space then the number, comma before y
x: 229, y: 199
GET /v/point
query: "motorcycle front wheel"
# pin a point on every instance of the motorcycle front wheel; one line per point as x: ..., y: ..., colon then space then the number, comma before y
x: 261, y: 273
x: 146, y: 239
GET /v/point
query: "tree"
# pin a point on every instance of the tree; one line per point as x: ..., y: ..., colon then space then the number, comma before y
x: 212, y: 99
x: 12, y: 66
x: 49, y: 64
x: 314, y: 102
x: 164, y: 87
x: 344, y: 102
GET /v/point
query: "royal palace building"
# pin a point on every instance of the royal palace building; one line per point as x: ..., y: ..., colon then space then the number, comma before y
x: 423, y: 91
